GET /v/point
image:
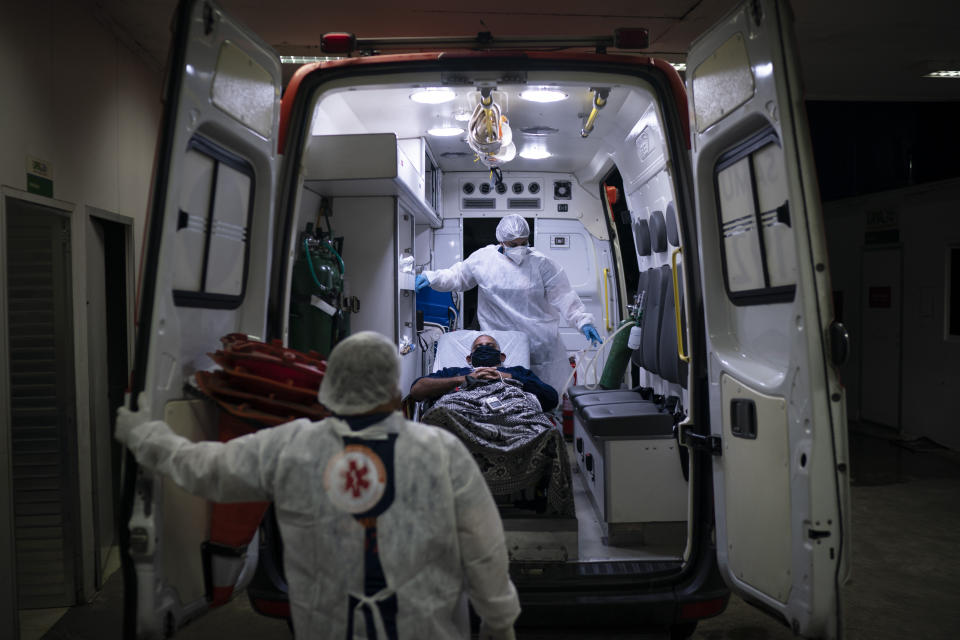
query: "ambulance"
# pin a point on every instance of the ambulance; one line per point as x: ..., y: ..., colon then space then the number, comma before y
x: 302, y: 213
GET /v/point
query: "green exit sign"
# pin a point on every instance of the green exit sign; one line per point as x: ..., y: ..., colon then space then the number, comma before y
x: 39, y: 177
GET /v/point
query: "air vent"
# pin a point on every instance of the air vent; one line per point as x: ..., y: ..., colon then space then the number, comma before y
x: 484, y: 188
x: 533, y: 187
x: 517, y: 187
x: 501, y: 188
x: 561, y: 190
x: 523, y: 203
x: 539, y: 131
x: 468, y: 188
x: 479, y: 203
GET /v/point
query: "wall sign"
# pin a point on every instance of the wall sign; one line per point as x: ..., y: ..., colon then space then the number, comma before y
x: 39, y: 177
x: 882, y: 228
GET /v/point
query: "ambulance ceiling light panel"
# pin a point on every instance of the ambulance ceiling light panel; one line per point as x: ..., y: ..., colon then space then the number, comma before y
x: 535, y: 152
x: 948, y: 73
x: 433, y: 95
x: 445, y: 131
x: 543, y: 95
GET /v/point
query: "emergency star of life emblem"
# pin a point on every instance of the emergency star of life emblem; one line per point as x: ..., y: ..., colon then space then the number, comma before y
x: 355, y: 479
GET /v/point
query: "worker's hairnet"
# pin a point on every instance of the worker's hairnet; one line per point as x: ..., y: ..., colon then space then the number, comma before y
x: 363, y: 372
x: 512, y: 227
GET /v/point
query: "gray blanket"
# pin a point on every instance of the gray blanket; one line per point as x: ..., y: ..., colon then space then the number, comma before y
x: 511, y: 438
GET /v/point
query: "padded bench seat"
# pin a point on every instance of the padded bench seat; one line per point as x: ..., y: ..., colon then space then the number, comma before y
x: 625, y: 420
x: 614, y: 396
x: 581, y: 389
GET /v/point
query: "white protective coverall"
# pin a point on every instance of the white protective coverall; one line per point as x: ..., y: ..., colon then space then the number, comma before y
x: 531, y: 297
x: 441, y: 535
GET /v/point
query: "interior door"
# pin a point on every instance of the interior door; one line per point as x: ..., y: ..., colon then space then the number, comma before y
x: 776, y: 405
x: 204, y: 274
x: 880, y: 353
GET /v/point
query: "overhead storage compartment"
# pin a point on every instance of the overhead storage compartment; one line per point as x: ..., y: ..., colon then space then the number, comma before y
x: 368, y: 164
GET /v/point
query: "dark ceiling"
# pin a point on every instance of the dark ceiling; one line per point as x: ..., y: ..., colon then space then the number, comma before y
x: 875, y: 50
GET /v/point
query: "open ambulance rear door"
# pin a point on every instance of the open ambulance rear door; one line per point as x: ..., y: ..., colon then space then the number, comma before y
x: 777, y: 416
x: 204, y: 274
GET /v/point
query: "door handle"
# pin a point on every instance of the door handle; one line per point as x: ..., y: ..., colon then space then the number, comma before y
x: 743, y: 418
x: 839, y: 343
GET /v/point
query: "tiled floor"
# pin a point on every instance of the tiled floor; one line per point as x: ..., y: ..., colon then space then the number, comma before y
x: 34, y: 623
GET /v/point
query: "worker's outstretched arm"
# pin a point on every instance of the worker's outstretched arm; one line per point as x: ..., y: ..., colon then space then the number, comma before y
x: 457, y: 277
x: 239, y: 470
x: 482, y: 548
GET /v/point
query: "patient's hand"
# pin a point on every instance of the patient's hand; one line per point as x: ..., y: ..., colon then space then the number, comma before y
x: 489, y: 373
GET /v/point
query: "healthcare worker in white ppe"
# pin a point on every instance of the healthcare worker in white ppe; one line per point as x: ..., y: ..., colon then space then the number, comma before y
x: 520, y: 290
x: 385, y: 522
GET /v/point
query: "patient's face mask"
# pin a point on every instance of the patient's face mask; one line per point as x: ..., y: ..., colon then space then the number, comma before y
x: 486, y: 355
x: 517, y: 254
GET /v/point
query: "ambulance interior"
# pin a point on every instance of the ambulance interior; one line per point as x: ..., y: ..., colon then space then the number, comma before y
x: 388, y: 180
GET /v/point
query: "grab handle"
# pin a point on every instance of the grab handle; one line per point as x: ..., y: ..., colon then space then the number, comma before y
x: 676, y: 305
x: 606, y: 300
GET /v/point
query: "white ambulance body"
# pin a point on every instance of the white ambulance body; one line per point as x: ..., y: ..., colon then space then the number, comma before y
x: 716, y: 220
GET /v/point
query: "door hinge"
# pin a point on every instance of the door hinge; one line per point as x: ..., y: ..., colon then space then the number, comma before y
x: 710, y: 444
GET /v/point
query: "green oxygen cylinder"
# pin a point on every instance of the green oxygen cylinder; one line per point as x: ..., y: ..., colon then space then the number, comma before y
x: 617, y: 359
x: 316, y: 285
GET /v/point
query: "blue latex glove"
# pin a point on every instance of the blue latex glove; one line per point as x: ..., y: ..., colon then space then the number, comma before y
x: 590, y: 332
x: 421, y: 283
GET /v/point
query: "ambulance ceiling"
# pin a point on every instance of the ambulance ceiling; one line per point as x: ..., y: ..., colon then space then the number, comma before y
x: 861, y: 50
x: 551, y: 129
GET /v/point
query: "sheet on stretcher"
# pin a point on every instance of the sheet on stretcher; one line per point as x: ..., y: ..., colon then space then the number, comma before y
x: 453, y: 348
x: 512, y: 440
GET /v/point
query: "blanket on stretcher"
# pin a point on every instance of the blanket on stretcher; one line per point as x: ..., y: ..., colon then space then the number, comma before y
x: 512, y: 439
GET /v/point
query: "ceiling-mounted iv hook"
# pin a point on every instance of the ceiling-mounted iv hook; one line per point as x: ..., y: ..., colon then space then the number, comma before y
x: 599, y: 102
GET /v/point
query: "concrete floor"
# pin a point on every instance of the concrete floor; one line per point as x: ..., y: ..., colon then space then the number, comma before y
x: 905, y: 574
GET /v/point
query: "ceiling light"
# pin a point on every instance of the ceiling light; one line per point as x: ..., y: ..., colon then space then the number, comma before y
x: 445, y: 131
x: 679, y: 66
x: 943, y: 74
x: 433, y: 95
x: 535, y: 152
x: 543, y: 95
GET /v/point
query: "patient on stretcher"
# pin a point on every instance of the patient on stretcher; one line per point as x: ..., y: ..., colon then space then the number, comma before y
x: 485, y: 360
x: 499, y: 414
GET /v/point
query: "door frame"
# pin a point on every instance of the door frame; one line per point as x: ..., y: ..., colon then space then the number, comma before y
x: 85, y: 444
x: 9, y: 617
x: 862, y: 308
x: 79, y: 217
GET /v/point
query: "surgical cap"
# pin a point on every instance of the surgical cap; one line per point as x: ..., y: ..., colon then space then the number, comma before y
x: 512, y: 227
x: 363, y: 372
